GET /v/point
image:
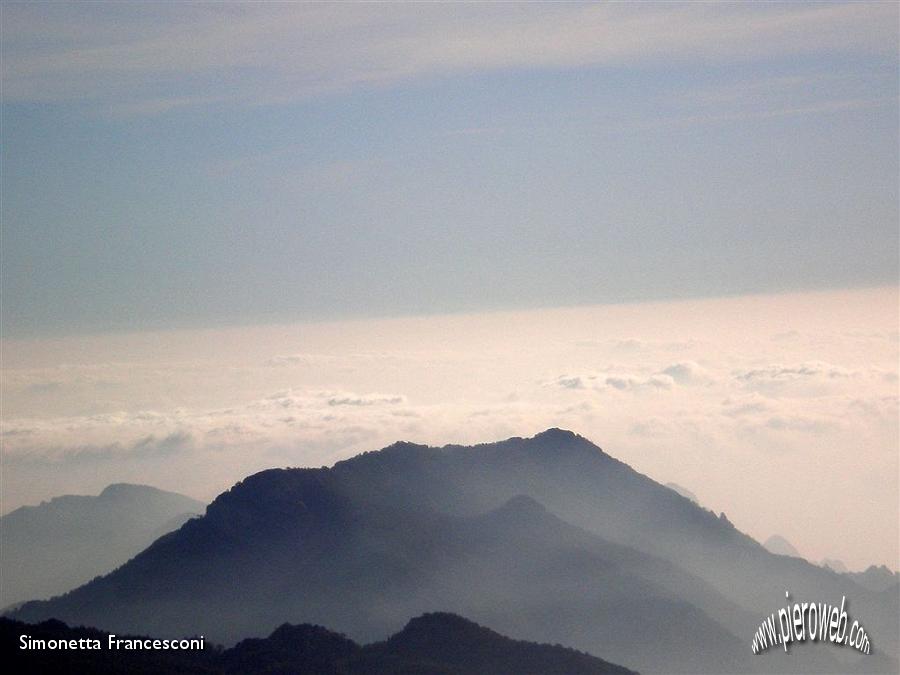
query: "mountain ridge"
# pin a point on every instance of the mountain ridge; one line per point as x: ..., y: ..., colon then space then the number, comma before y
x: 548, y: 522
x: 468, y: 570
x: 63, y: 542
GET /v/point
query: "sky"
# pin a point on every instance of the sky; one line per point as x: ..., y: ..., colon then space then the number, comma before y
x: 190, y: 164
x: 367, y: 218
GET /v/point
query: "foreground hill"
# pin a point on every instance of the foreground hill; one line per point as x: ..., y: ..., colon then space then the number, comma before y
x: 60, y: 544
x: 433, y: 644
x: 648, y: 579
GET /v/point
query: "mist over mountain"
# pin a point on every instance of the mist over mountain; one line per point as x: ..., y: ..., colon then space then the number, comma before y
x: 432, y: 644
x: 780, y: 546
x: 543, y: 539
x: 60, y: 544
x: 835, y: 565
x: 581, y: 484
x: 289, y: 544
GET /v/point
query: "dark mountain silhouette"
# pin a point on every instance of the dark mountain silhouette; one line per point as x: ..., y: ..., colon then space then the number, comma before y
x: 878, y: 579
x: 581, y: 484
x: 290, y: 545
x: 61, y: 544
x: 780, y: 546
x: 462, y: 646
x: 433, y: 644
x: 648, y: 579
x: 292, y: 650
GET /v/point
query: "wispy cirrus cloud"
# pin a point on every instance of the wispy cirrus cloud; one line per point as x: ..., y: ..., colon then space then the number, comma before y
x: 135, y: 61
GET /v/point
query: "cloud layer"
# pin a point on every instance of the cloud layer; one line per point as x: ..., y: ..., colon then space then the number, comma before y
x: 768, y: 393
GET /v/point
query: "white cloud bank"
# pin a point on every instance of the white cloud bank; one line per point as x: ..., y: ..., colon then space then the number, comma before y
x: 744, y: 401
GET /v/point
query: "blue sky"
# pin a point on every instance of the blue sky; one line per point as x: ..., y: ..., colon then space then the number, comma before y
x: 199, y: 164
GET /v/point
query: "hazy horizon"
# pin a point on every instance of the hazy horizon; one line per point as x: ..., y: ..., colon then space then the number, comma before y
x: 792, y: 397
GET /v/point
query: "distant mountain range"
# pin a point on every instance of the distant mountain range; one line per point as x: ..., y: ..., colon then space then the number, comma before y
x: 835, y: 565
x: 780, y: 546
x: 60, y: 544
x: 546, y: 539
x: 878, y: 578
x: 432, y: 644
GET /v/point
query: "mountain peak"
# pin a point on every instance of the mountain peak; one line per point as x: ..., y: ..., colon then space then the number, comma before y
x: 64, y: 542
x: 780, y: 546
x: 555, y: 441
x: 116, y: 490
x: 298, y: 634
x: 404, y: 446
x: 440, y: 620
x: 467, y: 647
x: 557, y: 435
x: 519, y: 514
x: 523, y: 504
